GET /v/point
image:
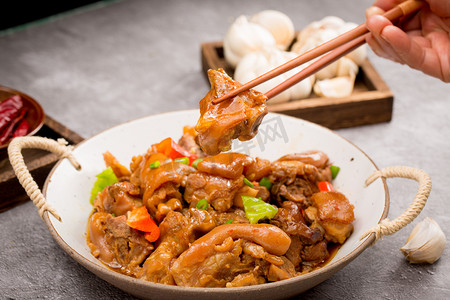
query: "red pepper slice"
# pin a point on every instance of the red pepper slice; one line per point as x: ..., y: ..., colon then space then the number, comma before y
x: 325, y: 186
x: 169, y: 148
x: 140, y: 219
x: 152, y: 236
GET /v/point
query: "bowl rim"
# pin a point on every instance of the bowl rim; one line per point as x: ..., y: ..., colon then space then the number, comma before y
x: 108, y: 275
x: 34, y: 103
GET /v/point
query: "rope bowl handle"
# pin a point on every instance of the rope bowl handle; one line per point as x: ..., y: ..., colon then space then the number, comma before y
x: 59, y: 147
x: 388, y: 227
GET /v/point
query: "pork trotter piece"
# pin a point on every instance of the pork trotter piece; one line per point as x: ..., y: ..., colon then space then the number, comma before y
x: 238, y: 117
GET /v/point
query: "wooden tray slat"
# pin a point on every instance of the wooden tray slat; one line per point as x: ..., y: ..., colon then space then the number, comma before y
x: 370, y: 103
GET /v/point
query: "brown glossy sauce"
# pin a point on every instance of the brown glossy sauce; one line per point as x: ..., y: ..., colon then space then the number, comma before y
x: 332, y: 250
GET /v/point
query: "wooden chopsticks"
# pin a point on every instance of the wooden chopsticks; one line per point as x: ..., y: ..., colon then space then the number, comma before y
x: 334, y: 49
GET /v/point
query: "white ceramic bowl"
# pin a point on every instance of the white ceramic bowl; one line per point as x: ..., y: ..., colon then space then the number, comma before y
x: 68, y: 190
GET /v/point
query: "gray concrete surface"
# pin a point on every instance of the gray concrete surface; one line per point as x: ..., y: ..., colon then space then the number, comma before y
x: 120, y: 61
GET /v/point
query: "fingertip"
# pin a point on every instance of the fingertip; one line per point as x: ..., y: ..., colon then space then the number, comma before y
x: 376, y: 23
x: 373, y: 10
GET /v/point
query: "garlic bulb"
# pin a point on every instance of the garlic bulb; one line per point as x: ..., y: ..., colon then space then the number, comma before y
x: 278, y: 24
x: 256, y: 63
x: 331, y: 22
x: 426, y: 243
x: 319, y: 32
x: 359, y: 54
x: 328, y: 72
x: 244, y: 37
x: 313, y: 36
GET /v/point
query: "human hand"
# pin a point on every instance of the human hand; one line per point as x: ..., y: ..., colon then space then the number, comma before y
x: 421, y: 42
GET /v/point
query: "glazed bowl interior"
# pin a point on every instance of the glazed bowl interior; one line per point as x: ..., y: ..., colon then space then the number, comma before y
x: 35, y: 115
x: 68, y: 191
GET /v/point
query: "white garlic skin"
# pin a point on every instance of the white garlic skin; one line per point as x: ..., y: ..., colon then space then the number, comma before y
x: 425, y: 244
x: 341, y: 85
x: 244, y: 37
x: 278, y: 24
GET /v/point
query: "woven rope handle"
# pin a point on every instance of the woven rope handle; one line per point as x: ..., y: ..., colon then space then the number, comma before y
x: 26, y: 180
x: 387, y: 227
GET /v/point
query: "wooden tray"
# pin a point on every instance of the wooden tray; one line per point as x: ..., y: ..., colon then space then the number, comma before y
x: 39, y: 163
x: 370, y: 103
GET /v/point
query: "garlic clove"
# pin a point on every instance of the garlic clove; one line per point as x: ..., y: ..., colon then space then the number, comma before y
x: 340, y: 81
x: 243, y: 37
x: 425, y: 244
x: 302, y: 89
x: 328, y: 72
x: 278, y: 24
x: 336, y: 87
x: 358, y: 55
x: 347, y: 67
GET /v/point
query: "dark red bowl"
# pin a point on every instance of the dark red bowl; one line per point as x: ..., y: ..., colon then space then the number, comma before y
x: 35, y: 114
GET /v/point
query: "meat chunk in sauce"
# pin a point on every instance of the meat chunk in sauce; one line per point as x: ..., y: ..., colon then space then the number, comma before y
x: 218, y: 191
x: 173, y: 241
x: 289, y: 218
x: 238, y: 117
x: 294, y: 181
x: 121, y: 172
x: 118, y: 198
x: 160, y: 185
x: 116, y: 244
x: 219, y: 256
x: 178, y: 231
x: 335, y: 214
x: 189, y: 141
x: 219, y: 180
x: 315, y: 158
x: 227, y: 165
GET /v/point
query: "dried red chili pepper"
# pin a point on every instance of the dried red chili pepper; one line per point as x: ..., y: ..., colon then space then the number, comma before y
x: 9, y: 109
x: 22, y: 128
x: 7, y: 132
